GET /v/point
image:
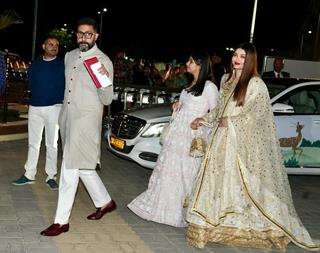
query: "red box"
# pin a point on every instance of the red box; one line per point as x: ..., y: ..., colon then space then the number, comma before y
x: 92, y: 65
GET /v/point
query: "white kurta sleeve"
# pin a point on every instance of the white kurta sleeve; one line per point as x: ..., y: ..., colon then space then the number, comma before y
x: 212, y: 95
x: 106, y: 95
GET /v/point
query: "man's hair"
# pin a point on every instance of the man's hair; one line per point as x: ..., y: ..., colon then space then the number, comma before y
x: 88, y: 21
x: 50, y: 36
x: 279, y: 58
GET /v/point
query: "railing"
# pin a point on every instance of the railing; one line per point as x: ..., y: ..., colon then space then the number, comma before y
x: 138, y: 95
x: 16, y: 92
x: 125, y: 95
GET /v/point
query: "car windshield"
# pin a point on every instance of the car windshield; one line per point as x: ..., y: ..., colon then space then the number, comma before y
x: 274, y: 89
x: 276, y: 85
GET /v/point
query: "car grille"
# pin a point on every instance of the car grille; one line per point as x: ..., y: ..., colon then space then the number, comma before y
x: 126, y: 127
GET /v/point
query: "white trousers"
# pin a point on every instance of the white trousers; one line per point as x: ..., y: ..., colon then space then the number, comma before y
x: 42, y: 118
x: 68, y: 185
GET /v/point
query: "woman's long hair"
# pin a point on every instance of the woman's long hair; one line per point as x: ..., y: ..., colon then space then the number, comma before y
x: 250, y: 69
x: 203, y: 59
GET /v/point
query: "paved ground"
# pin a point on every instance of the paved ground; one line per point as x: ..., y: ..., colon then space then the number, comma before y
x: 26, y: 210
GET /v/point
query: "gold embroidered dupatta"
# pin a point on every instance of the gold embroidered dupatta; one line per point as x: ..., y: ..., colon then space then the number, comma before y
x: 242, y: 194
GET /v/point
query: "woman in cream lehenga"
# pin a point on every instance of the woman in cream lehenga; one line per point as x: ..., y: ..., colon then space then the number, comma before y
x: 242, y: 195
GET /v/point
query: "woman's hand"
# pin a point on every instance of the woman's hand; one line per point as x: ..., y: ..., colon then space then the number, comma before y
x: 176, y: 106
x: 223, y: 122
x: 196, y: 123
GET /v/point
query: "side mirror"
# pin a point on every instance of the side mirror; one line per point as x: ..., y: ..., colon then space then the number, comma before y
x: 282, y: 108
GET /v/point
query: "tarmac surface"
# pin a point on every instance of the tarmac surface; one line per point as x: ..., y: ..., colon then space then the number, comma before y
x: 26, y: 210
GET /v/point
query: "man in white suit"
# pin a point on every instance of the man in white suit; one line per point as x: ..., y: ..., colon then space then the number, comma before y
x: 80, y: 126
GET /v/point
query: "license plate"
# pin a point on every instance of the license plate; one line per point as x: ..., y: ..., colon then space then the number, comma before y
x: 117, y: 142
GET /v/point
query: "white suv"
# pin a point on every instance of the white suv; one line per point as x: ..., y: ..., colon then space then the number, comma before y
x: 134, y: 133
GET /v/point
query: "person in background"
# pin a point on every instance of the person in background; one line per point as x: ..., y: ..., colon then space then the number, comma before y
x: 172, y: 178
x: 278, y: 65
x: 123, y: 69
x: 46, y: 84
x: 138, y: 76
x: 182, y: 76
x: 242, y: 195
x: 168, y: 75
x: 3, y: 73
x: 218, y: 69
x: 80, y: 125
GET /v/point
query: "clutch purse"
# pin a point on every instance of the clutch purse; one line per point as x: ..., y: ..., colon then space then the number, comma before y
x: 198, y: 147
x: 199, y: 144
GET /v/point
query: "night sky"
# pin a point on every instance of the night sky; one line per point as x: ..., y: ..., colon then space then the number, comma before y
x: 168, y: 29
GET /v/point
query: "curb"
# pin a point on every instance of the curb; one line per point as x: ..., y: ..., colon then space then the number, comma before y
x: 13, y: 137
x: 14, y: 130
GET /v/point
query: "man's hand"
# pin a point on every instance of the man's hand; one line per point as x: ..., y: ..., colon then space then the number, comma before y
x: 103, y: 71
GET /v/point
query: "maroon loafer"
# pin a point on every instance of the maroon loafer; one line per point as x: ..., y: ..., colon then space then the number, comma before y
x: 55, y: 229
x: 100, y: 212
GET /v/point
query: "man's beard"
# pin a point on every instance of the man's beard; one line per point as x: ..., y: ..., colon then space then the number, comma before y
x: 85, y: 46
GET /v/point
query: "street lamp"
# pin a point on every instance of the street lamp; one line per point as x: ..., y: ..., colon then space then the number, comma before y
x: 100, y: 30
x: 302, y: 41
x: 316, y: 46
x: 253, y: 21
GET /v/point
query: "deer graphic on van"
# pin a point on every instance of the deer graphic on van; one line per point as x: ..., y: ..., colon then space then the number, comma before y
x: 293, y: 142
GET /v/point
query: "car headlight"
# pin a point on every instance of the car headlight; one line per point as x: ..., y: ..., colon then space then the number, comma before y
x: 154, y: 130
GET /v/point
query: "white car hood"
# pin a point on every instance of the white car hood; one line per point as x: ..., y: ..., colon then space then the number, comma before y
x: 151, y: 112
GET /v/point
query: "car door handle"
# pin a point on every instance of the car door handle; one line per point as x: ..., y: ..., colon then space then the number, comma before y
x: 316, y: 121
